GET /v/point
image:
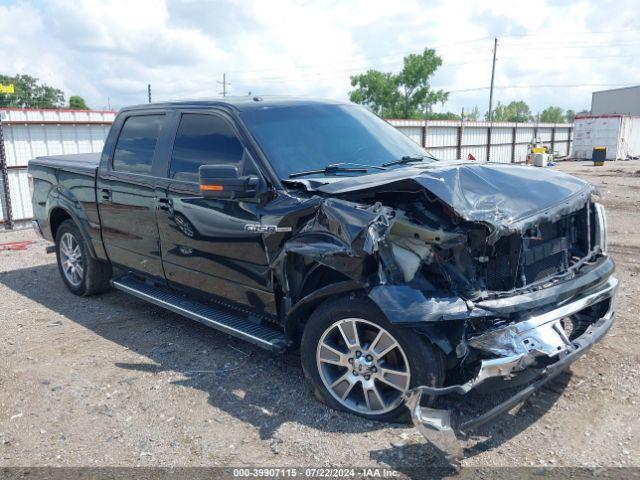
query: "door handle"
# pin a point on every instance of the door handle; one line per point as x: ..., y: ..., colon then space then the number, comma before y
x: 105, y: 194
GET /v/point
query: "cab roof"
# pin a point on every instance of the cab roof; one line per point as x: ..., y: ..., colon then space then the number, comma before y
x: 239, y: 103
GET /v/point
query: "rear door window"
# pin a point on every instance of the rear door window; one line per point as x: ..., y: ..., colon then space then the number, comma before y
x: 203, y: 140
x: 137, y: 143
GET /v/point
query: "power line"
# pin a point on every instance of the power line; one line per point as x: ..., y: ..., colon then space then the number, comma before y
x: 313, y: 76
x: 445, y: 46
x: 571, y: 46
x: 362, y: 59
x: 577, y: 85
x: 584, y: 57
x: 560, y: 34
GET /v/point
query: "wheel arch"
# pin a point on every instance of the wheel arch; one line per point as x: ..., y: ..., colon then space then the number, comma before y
x: 319, y: 283
x: 58, y: 214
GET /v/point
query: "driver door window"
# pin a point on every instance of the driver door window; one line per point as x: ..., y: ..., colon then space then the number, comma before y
x: 203, y: 140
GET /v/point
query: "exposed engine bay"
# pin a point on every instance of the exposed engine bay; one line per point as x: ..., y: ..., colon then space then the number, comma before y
x: 501, y: 280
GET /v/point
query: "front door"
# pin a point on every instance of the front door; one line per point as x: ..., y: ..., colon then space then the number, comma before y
x: 126, y: 191
x: 208, y: 244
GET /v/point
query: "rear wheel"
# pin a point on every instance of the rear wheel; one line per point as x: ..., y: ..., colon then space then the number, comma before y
x: 82, y: 274
x: 359, y: 362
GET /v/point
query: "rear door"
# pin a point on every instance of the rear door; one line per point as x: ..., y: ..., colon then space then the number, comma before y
x: 208, y: 244
x: 126, y: 191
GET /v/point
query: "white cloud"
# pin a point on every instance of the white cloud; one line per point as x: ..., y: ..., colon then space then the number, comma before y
x: 112, y: 49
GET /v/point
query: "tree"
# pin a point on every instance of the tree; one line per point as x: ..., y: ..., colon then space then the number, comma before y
x: 473, y: 115
x: 406, y: 94
x: 443, y: 116
x: 77, y: 103
x: 569, y: 116
x: 29, y: 93
x: 552, y: 115
x: 517, y: 111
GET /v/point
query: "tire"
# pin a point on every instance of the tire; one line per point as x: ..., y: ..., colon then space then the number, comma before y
x: 414, y: 355
x: 82, y: 274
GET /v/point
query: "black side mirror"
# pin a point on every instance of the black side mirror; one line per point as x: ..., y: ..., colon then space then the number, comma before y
x: 224, y: 181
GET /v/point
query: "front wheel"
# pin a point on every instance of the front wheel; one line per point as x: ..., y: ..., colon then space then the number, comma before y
x: 357, y: 361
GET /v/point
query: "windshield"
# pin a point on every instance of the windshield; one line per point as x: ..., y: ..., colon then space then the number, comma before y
x: 310, y: 137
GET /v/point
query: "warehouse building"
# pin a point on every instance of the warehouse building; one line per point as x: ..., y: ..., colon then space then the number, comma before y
x: 624, y: 101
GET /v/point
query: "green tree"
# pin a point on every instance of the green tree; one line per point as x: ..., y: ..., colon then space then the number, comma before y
x: 473, y: 115
x: 516, y: 111
x: 77, y: 103
x: 569, y: 116
x: 552, y: 115
x: 407, y: 94
x: 30, y: 93
x: 443, y: 116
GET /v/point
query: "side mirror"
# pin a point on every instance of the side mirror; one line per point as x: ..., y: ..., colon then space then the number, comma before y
x: 224, y: 181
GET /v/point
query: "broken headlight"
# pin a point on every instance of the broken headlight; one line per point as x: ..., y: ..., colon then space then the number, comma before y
x: 601, y: 226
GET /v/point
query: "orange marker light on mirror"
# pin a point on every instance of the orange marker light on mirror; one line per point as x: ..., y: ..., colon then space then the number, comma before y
x: 212, y: 188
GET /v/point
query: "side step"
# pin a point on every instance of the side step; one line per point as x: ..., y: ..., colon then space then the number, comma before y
x: 232, y: 323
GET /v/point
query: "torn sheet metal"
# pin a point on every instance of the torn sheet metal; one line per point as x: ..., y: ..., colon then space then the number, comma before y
x: 404, y: 304
x: 436, y: 425
x: 542, y: 334
x: 482, y: 192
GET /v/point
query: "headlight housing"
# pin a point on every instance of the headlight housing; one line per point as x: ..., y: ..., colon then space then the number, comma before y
x: 601, y: 227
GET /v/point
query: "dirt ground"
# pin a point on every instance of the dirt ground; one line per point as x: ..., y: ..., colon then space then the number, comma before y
x: 112, y: 381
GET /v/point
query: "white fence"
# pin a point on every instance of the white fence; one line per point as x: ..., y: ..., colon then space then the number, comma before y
x: 496, y: 142
x: 30, y: 133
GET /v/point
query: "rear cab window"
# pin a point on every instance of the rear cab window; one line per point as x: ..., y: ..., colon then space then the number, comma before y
x: 136, y: 144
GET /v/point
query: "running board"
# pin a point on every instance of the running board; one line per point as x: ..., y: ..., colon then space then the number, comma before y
x: 232, y: 323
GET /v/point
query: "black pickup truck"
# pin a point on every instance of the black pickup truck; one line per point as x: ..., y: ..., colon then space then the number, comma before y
x: 315, y: 225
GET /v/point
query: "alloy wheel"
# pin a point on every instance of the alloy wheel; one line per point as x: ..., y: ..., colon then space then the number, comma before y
x: 363, y: 366
x: 71, y: 259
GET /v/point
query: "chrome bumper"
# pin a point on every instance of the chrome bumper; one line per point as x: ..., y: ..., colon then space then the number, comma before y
x: 518, y: 345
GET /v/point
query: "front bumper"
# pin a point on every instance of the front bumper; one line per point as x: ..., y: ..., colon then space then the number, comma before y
x: 520, y: 346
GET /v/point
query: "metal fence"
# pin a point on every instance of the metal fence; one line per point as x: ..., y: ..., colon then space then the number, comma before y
x: 29, y: 133
x: 496, y: 142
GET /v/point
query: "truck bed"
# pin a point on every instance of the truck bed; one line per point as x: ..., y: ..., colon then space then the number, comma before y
x: 85, y: 162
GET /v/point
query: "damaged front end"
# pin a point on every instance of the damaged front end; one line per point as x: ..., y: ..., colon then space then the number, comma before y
x: 504, y: 268
x: 539, y: 346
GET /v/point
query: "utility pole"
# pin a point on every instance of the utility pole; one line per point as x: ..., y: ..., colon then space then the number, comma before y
x: 224, y: 84
x: 149, y: 91
x: 493, y: 71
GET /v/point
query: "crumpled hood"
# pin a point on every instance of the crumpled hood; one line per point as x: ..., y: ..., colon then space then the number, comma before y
x: 509, y: 197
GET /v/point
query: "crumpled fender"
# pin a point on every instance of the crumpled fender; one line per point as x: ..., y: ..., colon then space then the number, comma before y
x: 339, y: 236
x: 403, y: 304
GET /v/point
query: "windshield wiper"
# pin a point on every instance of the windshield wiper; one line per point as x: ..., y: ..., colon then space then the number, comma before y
x: 406, y: 159
x: 337, y: 168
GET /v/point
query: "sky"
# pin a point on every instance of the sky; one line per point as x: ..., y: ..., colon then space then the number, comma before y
x: 549, y: 52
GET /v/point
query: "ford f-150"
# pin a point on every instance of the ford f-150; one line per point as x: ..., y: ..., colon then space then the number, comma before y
x: 317, y: 226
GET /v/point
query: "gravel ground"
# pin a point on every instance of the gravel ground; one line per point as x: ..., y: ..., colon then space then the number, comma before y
x: 113, y: 381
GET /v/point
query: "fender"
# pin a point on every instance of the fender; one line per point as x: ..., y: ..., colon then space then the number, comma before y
x: 303, y: 307
x: 74, y: 210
